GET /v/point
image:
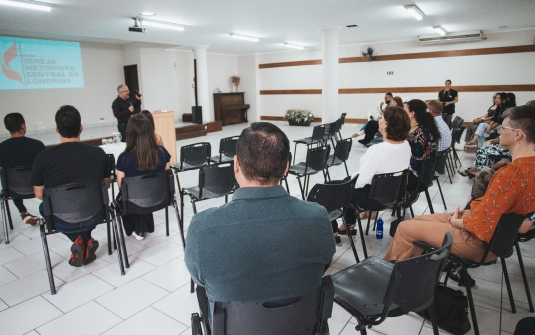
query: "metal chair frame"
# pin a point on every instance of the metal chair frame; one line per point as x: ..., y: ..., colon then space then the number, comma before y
x: 310, y: 167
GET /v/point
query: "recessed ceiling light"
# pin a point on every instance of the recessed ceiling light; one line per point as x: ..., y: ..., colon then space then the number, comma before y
x: 440, y: 30
x: 162, y: 24
x: 415, y: 11
x: 245, y: 38
x: 148, y: 13
x: 28, y: 4
x: 352, y: 26
x: 293, y: 46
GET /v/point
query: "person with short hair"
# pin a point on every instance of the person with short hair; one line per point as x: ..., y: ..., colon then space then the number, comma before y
x: 123, y: 107
x: 72, y: 162
x: 265, y: 245
x: 142, y: 156
x: 511, y: 190
x: 19, y: 151
x: 448, y: 97
x: 389, y: 98
x: 435, y: 108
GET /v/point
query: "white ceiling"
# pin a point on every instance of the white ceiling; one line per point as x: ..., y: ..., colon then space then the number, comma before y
x: 209, y: 22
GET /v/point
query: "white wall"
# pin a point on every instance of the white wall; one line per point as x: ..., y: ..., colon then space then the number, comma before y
x: 103, y: 71
x: 499, y: 69
x: 248, y: 70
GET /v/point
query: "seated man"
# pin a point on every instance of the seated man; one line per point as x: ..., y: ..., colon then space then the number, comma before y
x: 511, y: 190
x: 264, y: 245
x: 19, y: 151
x: 435, y: 108
x: 72, y: 162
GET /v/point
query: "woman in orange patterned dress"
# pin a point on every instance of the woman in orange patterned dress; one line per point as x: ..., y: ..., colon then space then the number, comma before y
x: 511, y: 190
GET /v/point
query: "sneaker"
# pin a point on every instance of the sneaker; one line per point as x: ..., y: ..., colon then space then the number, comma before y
x: 140, y: 236
x: 92, y: 246
x: 78, y: 250
x: 28, y: 218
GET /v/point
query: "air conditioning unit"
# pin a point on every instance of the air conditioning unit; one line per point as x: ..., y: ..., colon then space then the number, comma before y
x: 452, y: 38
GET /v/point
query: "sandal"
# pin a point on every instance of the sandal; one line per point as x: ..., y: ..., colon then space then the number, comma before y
x: 467, y: 173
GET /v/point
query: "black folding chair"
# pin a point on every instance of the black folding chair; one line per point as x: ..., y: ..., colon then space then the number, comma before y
x: 447, y: 119
x: 316, y: 161
x: 456, y: 135
x: 501, y: 244
x: 331, y: 129
x: 227, y: 150
x: 303, y: 315
x: 341, y: 154
x: 335, y: 196
x: 113, y: 177
x: 317, y: 138
x: 16, y: 184
x: 376, y: 289
x: 73, y: 204
x: 192, y: 157
x: 215, y: 181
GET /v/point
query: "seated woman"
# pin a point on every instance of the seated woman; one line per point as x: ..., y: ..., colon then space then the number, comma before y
x: 151, y: 119
x: 484, y: 129
x: 485, y: 159
x: 485, y: 118
x: 142, y: 156
x: 511, y: 190
x: 392, y: 155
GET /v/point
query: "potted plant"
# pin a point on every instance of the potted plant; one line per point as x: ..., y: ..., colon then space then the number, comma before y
x: 236, y: 81
x: 299, y: 117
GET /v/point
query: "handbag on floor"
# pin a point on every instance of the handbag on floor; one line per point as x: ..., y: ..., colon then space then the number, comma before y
x: 451, y: 310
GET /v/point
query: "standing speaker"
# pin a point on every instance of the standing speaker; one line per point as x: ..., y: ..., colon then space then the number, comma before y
x: 196, y: 114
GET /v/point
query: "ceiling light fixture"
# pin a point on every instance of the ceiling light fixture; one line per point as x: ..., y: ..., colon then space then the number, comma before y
x: 28, y: 4
x: 162, y: 24
x: 148, y: 14
x: 440, y: 30
x: 245, y: 38
x: 415, y: 11
x: 293, y: 46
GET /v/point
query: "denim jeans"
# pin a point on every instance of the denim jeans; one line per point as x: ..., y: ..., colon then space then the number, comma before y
x: 121, y: 127
x: 85, y: 235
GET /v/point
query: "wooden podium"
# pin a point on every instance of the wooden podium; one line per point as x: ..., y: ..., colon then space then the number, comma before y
x: 164, y: 123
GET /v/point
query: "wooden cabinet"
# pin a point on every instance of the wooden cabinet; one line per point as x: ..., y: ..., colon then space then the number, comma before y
x: 164, y: 122
x: 230, y: 108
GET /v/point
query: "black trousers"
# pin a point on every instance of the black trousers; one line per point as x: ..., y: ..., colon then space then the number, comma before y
x: 20, y: 205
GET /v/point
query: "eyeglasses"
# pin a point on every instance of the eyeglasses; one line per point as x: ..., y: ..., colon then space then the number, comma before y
x: 500, y: 128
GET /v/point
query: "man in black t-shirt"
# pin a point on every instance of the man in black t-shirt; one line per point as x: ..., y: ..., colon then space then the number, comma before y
x: 72, y: 162
x: 448, y: 96
x: 19, y: 151
x: 123, y: 107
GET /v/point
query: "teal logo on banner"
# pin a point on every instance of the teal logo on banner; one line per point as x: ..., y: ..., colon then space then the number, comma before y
x: 36, y: 64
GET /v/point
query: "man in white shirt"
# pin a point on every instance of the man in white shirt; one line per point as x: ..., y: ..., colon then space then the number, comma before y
x: 435, y: 108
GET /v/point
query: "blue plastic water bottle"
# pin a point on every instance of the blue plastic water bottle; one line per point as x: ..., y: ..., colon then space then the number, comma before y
x: 379, y: 232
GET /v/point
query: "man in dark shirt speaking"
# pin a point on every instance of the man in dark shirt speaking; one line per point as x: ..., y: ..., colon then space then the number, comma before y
x: 264, y: 245
x: 123, y: 107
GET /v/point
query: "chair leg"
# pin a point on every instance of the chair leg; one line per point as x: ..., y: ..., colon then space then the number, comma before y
x: 428, y: 202
x: 4, y: 221
x: 328, y: 175
x: 347, y: 171
x: 351, y: 242
x: 307, y: 185
x: 180, y: 225
x: 166, y: 221
x: 368, y: 225
x: 433, y: 319
x: 194, y: 206
x: 286, y: 182
x: 508, y: 285
x: 441, y: 195
x: 375, y: 222
x: 192, y: 287
x: 301, y: 187
x: 412, y: 212
x: 362, y: 240
x: 120, y: 229
x: 108, y: 231
x: 119, y: 251
x: 470, y: 301
x: 295, y: 150
x: 47, y: 258
x: 524, y: 278
x: 9, y: 215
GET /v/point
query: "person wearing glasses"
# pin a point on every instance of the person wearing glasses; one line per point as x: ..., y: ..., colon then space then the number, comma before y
x: 123, y: 107
x: 511, y: 190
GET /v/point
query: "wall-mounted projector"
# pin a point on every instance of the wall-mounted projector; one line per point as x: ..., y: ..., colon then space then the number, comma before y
x: 136, y: 28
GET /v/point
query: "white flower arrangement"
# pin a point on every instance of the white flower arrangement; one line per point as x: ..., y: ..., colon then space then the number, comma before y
x: 299, y: 115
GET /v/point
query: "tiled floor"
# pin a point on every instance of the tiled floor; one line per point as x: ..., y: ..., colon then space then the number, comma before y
x: 153, y: 296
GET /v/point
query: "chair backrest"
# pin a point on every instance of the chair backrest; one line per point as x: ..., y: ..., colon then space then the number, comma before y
x: 447, y: 120
x: 441, y: 162
x: 111, y: 159
x: 456, y: 135
x: 427, y: 172
x: 74, y: 203
x: 148, y: 193
x: 342, y: 150
x: 385, y: 189
x: 317, y: 158
x: 503, y: 239
x: 217, y: 178
x: 227, y: 146
x: 299, y: 316
x: 195, y: 155
x: 333, y: 129
x: 332, y: 196
x: 343, y: 118
x: 412, y: 282
x: 339, y: 124
x: 317, y: 132
x: 17, y: 183
x: 457, y: 122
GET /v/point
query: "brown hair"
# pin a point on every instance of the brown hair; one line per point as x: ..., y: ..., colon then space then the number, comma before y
x: 398, y: 101
x: 523, y: 117
x: 140, y: 137
x: 398, y: 123
x: 148, y: 115
x: 435, y: 107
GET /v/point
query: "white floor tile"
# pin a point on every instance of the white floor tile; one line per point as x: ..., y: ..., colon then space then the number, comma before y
x: 131, y: 248
x: 27, y: 316
x: 161, y: 253
x: 179, y: 305
x: 32, y: 264
x: 70, y: 323
x: 131, y: 298
x: 8, y: 255
x: 78, y: 292
x: 3, y: 305
x: 27, y: 287
x: 112, y: 275
x: 148, y: 321
x: 170, y: 276
x: 36, y: 245
x: 14, y: 239
x: 68, y: 273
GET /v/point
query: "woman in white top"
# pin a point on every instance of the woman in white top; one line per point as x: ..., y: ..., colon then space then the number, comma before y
x: 392, y: 155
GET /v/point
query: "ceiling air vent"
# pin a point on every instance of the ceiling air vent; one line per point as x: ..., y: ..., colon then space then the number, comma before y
x: 452, y: 38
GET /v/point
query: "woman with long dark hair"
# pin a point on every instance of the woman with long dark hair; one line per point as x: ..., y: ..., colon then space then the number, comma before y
x: 142, y: 156
x: 484, y: 129
x: 485, y: 118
